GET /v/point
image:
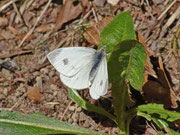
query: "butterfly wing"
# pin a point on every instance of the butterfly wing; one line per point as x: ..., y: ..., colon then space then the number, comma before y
x: 100, y: 83
x: 80, y: 80
x: 69, y: 61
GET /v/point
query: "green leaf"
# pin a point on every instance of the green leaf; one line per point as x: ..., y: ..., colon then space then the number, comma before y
x: 126, y: 65
x: 159, y: 111
x: 172, y: 132
x: 119, y: 29
x: 158, y: 115
x: 73, y: 94
x: 14, y: 123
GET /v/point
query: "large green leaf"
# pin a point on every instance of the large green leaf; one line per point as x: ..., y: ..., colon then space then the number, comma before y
x: 125, y: 66
x: 119, y: 29
x: 13, y: 123
x: 87, y: 106
x: 127, y: 63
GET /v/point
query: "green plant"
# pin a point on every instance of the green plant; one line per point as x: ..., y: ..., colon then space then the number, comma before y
x: 125, y: 67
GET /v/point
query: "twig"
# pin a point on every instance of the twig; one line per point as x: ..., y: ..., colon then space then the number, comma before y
x: 66, y: 110
x: 39, y: 67
x: 15, y: 54
x: 25, y: 5
x: 163, y: 13
x: 86, y: 16
x: 7, y: 5
x: 17, y: 12
x: 16, y: 104
x: 169, y: 22
x: 38, y: 19
x: 95, y: 15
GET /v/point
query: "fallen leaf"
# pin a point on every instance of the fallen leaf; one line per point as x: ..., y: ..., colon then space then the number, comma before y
x: 34, y: 94
x: 67, y: 13
x: 154, y: 92
x: 28, y: 16
x: 45, y: 28
x: 86, y: 5
x: 21, y: 36
x: 156, y: 86
x: 92, y: 34
x: 159, y: 90
x: 162, y: 77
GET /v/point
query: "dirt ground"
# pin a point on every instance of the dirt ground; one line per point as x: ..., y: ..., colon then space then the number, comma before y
x: 29, y: 29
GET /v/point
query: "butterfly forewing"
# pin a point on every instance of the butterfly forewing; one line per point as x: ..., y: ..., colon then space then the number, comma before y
x: 69, y: 61
x: 80, y: 80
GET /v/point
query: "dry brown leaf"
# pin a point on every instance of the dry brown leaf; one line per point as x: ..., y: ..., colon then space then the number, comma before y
x: 21, y: 36
x: 154, y: 92
x: 148, y: 65
x: 92, y: 33
x: 34, y: 94
x: 165, y: 82
x: 28, y: 16
x: 159, y: 90
x: 45, y: 28
x: 86, y: 5
x: 67, y: 13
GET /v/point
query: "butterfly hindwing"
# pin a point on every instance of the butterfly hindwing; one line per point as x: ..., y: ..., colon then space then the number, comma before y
x: 99, y: 85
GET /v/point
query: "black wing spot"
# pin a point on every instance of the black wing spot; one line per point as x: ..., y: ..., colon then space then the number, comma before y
x: 65, y: 61
x: 101, y: 83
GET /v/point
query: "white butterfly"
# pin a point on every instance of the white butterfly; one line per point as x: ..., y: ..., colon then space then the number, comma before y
x: 81, y: 68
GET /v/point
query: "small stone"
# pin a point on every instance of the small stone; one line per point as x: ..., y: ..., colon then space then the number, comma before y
x: 70, y: 120
x: 5, y: 91
x: 51, y: 73
x: 75, y: 117
x: 113, y: 2
x: 72, y: 108
x: 55, y: 93
x: 79, y: 109
x: 37, y: 73
x: 44, y: 71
